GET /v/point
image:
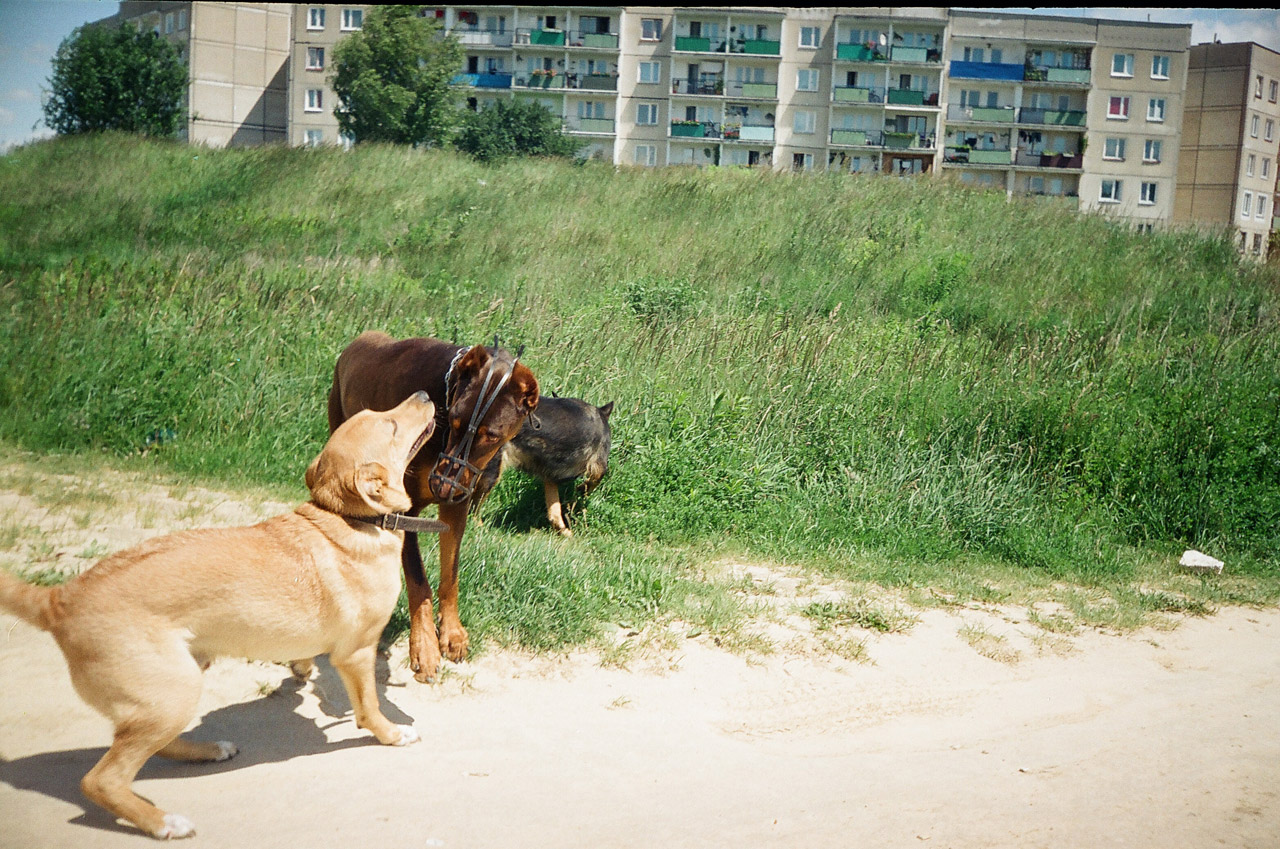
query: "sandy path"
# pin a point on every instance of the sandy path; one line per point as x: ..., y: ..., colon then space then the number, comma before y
x: 1164, y: 738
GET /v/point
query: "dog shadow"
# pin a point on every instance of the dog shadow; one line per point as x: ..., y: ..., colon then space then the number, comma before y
x: 265, y: 730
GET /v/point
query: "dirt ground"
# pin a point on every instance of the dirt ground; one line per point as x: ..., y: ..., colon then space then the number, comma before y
x: 1169, y: 737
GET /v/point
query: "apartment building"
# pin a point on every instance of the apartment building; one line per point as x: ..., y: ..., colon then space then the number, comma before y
x: 1230, y: 145
x: 236, y: 52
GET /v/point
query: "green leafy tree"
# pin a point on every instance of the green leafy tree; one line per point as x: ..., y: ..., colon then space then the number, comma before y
x: 392, y: 79
x: 108, y: 78
x: 511, y: 128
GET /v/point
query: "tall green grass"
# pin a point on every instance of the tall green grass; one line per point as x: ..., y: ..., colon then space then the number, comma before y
x: 808, y: 368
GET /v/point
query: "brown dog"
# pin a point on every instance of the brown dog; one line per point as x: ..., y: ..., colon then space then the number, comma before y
x: 485, y: 396
x: 139, y: 627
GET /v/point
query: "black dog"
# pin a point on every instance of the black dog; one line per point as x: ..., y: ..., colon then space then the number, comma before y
x: 569, y: 439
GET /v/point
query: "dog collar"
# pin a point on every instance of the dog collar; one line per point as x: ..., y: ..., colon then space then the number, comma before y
x: 408, y: 524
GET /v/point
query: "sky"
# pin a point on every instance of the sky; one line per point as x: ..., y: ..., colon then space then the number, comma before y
x: 31, y: 30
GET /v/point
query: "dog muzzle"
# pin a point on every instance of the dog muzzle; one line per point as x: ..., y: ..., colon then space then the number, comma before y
x: 455, y: 466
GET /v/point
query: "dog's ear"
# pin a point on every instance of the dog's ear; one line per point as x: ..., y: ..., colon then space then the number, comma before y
x: 606, y: 410
x: 473, y: 362
x: 381, y: 489
x: 326, y: 487
x: 526, y: 390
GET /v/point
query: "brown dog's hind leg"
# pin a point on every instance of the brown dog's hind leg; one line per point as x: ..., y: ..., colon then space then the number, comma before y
x: 179, y: 749
x: 424, y: 646
x: 453, y: 637
x: 555, y: 511
x: 356, y: 671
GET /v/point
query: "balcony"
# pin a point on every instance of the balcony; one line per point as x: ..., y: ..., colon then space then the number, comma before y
x: 483, y: 80
x: 856, y: 138
x: 855, y: 94
x: 749, y: 133
x: 756, y: 47
x: 758, y: 91
x: 1049, y: 160
x: 593, y: 40
x: 589, y: 125
x: 987, y: 71
x: 912, y: 97
x: 1052, y: 117
x: 972, y: 156
x: 860, y: 53
x: 695, y: 130
x: 547, y: 79
x: 591, y: 82
x: 482, y: 37
x: 921, y: 55
x: 980, y: 114
x: 540, y: 37
x: 695, y: 44
x: 1058, y: 76
x: 708, y: 85
x: 888, y: 140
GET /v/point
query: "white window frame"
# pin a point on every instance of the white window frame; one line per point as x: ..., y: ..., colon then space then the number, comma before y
x: 804, y: 122
x: 315, y: 18
x: 1261, y: 209
x: 313, y: 138
x: 1257, y: 88
x: 315, y: 58
x: 1123, y: 114
x: 1125, y: 62
x: 352, y: 20
x: 1254, y: 120
x: 808, y: 79
x: 168, y: 22
x: 646, y: 114
x: 652, y: 26
x: 806, y: 161
x: 1270, y: 129
x: 1266, y: 167
x: 646, y: 155
x: 1116, y: 190
x: 655, y: 67
x: 1113, y: 149
x: 810, y: 37
x: 1246, y: 205
x: 1273, y: 89
x: 1147, y: 195
x: 1152, y: 150
x: 315, y: 100
x: 1159, y: 67
x: 1250, y: 165
x: 1155, y: 110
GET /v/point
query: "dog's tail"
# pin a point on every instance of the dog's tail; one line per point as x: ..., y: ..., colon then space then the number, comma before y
x: 38, y: 605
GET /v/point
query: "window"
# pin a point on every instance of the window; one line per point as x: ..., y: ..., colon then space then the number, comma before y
x: 1118, y: 108
x: 315, y: 17
x: 1266, y: 167
x: 315, y: 58
x: 647, y: 113
x: 997, y: 56
x: 646, y: 154
x: 805, y: 121
x: 1262, y: 206
x: 1257, y: 244
x: 1110, y: 191
x: 811, y: 36
x: 807, y: 79
x: 1246, y: 204
x: 1155, y: 109
x: 650, y: 72
x: 315, y: 100
x: 314, y: 138
x: 1145, y: 228
x: 1159, y: 67
x: 1257, y: 87
x: 1253, y: 126
x: 1250, y: 165
x: 1272, y: 91
x: 974, y: 54
x: 1271, y: 129
x: 1113, y: 149
x: 1122, y: 65
x: 802, y: 162
x: 168, y: 22
x: 650, y: 30
x: 1148, y: 194
x: 1151, y: 150
x: 352, y: 19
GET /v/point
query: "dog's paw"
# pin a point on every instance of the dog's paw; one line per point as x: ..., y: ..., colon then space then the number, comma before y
x: 226, y: 750
x: 454, y: 643
x: 302, y: 669
x: 408, y: 736
x: 175, y: 826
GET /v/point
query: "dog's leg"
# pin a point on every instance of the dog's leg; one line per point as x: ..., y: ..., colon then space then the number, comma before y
x: 453, y: 637
x: 555, y: 511
x: 356, y: 671
x: 424, y: 645
x: 179, y: 749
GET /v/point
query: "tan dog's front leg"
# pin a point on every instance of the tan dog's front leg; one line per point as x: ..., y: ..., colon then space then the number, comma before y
x: 453, y: 637
x: 555, y: 511
x: 424, y: 648
x: 356, y: 671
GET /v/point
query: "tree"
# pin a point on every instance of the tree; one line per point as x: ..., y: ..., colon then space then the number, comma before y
x: 512, y: 127
x: 107, y: 78
x: 392, y: 79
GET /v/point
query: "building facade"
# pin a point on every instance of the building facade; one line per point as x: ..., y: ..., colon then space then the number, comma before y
x: 1231, y: 143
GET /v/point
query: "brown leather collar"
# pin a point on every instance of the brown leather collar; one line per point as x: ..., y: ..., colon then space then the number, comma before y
x: 408, y: 524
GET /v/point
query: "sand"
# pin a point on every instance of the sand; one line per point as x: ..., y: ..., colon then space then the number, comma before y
x: 1166, y: 737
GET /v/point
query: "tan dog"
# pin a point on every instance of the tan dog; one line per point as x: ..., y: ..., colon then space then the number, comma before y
x: 139, y: 628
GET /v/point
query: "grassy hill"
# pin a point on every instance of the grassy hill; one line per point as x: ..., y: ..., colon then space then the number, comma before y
x: 892, y: 380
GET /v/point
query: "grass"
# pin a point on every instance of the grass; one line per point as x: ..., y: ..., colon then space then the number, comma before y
x: 909, y: 384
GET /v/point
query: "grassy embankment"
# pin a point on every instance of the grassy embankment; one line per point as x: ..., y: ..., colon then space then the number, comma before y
x: 901, y: 383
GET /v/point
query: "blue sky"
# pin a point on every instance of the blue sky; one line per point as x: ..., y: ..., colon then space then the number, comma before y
x: 31, y: 30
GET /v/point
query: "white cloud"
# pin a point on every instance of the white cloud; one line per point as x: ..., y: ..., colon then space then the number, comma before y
x: 19, y: 95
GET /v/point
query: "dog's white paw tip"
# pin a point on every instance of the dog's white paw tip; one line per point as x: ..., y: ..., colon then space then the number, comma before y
x: 407, y: 735
x: 176, y: 826
x: 226, y: 750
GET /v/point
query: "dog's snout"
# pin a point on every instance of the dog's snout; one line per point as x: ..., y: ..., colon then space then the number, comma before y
x: 421, y: 396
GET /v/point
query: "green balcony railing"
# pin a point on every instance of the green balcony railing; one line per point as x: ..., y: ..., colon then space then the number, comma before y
x: 593, y: 125
x: 762, y: 47
x: 599, y: 39
x: 541, y: 81
x: 695, y: 131
x: 1068, y: 75
x: 906, y: 97
x: 765, y: 90
x: 859, y: 53
x: 899, y: 141
x: 848, y: 136
x: 546, y: 37
x: 693, y: 44
x: 990, y: 157
x: 910, y: 54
